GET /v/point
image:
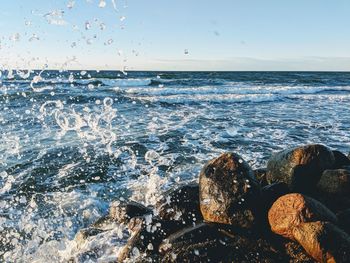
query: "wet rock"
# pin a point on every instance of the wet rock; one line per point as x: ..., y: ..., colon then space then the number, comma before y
x: 344, y: 220
x: 147, y: 234
x: 229, y: 192
x: 292, y: 209
x: 85, y: 233
x: 272, y: 192
x: 122, y: 212
x: 260, y: 175
x: 301, y: 167
x: 297, y: 253
x: 340, y: 160
x: 181, y: 204
x: 213, y: 243
x: 323, y: 241
x: 335, y: 182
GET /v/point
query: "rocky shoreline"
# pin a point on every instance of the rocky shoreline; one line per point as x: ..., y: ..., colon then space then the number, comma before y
x: 295, y: 210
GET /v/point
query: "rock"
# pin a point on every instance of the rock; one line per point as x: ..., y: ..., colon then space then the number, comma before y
x: 229, y: 191
x: 292, y: 209
x: 272, y: 192
x: 301, y: 167
x: 344, y: 220
x: 340, y: 160
x: 147, y: 234
x: 323, y: 241
x: 84, y: 234
x: 213, y: 243
x: 122, y: 212
x: 335, y: 182
x: 260, y: 175
x: 297, y: 253
x: 181, y: 204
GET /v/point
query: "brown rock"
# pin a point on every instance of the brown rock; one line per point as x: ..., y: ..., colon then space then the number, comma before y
x: 323, y: 241
x: 229, y: 191
x: 335, y: 182
x: 301, y: 167
x: 181, y: 204
x: 292, y: 209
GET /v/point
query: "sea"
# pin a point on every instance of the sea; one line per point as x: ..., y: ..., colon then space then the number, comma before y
x: 72, y: 142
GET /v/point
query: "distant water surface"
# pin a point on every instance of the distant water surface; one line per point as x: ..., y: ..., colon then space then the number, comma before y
x: 71, y: 142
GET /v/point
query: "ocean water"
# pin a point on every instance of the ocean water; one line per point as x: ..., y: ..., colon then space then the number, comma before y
x: 72, y: 142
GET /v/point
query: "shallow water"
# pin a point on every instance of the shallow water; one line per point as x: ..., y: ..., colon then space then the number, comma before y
x: 71, y: 142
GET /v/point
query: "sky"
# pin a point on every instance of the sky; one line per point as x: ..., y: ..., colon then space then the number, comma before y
x: 176, y: 34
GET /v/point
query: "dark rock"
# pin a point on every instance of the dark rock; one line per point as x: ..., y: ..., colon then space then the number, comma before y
x: 301, y: 167
x: 260, y: 175
x: 335, y: 182
x: 181, y: 204
x: 272, y: 192
x: 213, y: 243
x: 122, y: 212
x: 229, y: 191
x: 147, y: 234
x: 297, y: 253
x: 323, y: 241
x: 344, y: 220
x: 85, y: 233
x: 340, y: 160
x: 293, y: 209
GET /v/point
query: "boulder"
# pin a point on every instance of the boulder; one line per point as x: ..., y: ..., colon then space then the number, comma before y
x: 181, y: 204
x: 344, y: 220
x: 213, y: 243
x: 85, y: 233
x: 335, y: 182
x: 301, y: 167
x: 340, y: 160
x: 146, y: 235
x: 260, y: 175
x: 323, y: 241
x: 122, y: 212
x: 270, y: 193
x: 292, y: 209
x: 296, y: 253
x: 229, y: 192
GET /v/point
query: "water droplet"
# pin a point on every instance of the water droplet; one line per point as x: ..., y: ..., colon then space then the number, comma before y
x: 102, y: 4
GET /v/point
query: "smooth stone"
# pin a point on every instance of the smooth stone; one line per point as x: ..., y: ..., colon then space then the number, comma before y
x: 293, y: 209
x: 324, y: 241
x: 181, y: 204
x: 301, y: 167
x: 229, y: 192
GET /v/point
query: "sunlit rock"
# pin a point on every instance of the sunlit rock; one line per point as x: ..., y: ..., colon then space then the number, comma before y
x: 301, y: 167
x: 229, y: 192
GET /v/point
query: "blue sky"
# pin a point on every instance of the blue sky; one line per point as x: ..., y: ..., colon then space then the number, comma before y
x: 176, y: 34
